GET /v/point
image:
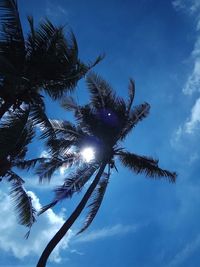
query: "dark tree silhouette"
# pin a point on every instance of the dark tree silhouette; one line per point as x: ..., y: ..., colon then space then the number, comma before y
x: 45, y: 60
x: 16, y: 132
x: 103, y: 125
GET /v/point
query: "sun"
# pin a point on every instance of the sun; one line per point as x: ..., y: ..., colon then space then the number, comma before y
x: 88, y: 154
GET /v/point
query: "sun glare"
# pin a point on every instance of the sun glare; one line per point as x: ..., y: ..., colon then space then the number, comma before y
x: 88, y: 154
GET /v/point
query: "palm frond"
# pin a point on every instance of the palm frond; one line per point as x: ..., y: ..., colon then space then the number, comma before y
x: 84, y: 68
x: 40, y: 119
x: 23, y: 203
x: 105, y: 101
x: 69, y: 103
x: 131, y: 95
x: 75, y: 182
x: 66, y: 128
x: 46, y: 169
x: 28, y: 164
x: 14, y: 133
x: 146, y: 165
x: 12, y: 45
x: 137, y: 114
x: 53, y: 58
x: 46, y: 207
x: 99, y: 89
x: 25, y: 138
x: 59, y: 147
x: 97, y: 198
x: 14, y: 178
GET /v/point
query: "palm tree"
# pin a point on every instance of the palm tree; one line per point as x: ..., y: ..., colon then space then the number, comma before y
x: 44, y: 60
x: 16, y: 132
x: 102, y: 125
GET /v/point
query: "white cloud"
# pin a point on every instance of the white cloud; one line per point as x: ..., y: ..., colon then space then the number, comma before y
x: 190, y: 125
x: 12, y: 235
x: 194, y: 120
x: 117, y: 229
x: 193, y: 81
x: 192, y: 84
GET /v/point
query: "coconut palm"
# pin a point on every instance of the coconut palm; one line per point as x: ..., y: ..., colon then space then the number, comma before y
x: 102, y: 125
x: 43, y: 61
x: 16, y: 132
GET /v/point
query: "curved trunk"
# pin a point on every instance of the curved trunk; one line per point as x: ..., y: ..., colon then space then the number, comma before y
x: 4, y: 108
x: 66, y: 226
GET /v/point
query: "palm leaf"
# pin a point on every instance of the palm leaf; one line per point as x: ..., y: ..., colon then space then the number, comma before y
x: 99, y: 89
x: 69, y: 103
x: 131, y: 95
x: 23, y: 203
x: 73, y: 184
x: 97, y: 198
x: 14, y: 133
x: 46, y: 169
x: 46, y: 207
x: 59, y: 147
x: 137, y: 114
x: 28, y: 164
x: 104, y: 99
x: 14, y: 178
x: 148, y: 166
x: 66, y: 128
x: 12, y: 45
x: 39, y: 118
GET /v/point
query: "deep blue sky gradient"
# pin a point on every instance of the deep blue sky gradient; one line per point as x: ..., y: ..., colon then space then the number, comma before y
x: 151, y: 42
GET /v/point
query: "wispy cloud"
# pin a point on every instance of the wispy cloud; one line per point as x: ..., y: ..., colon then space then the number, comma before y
x: 190, y: 6
x: 106, y: 232
x: 192, y: 84
x: 194, y: 119
x: 54, y: 10
x: 75, y: 251
x: 12, y: 235
x: 185, y: 252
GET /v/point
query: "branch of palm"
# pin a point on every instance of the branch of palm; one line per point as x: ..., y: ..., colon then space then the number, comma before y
x: 16, y: 132
x: 47, y: 60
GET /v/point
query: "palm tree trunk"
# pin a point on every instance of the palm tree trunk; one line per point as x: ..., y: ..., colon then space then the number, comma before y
x: 66, y: 226
x: 4, y: 108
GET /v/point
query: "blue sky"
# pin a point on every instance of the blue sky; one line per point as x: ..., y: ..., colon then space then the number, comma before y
x: 142, y: 222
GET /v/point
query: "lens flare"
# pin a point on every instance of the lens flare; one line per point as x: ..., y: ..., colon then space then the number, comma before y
x: 88, y: 154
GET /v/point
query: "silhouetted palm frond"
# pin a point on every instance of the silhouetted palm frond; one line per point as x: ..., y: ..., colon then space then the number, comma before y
x: 40, y: 119
x: 12, y: 46
x: 66, y: 128
x: 69, y: 103
x: 46, y: 207
x: 59, y: 147
x: 131, y: 95
x: 96, y: 200
x: 99, y: 90
x: 137, y: 114
x: 12, y: 132
x: 75, y: 182
x: 148, y: 166
x: 28, y: 164
x: 46, y: 169
x: 23, y: 202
